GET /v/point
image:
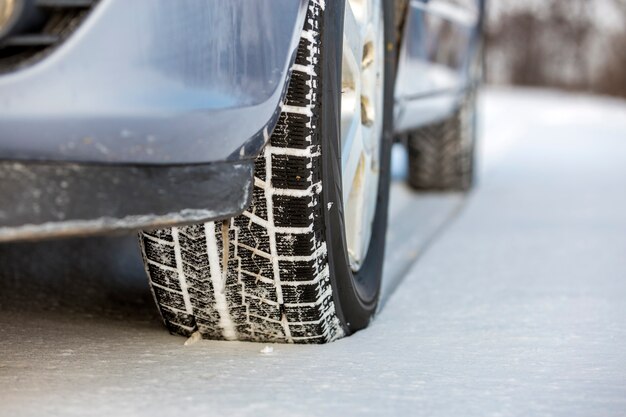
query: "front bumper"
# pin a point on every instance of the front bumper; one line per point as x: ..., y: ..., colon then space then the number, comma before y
x: 42, y: 200
x: 149, y: 115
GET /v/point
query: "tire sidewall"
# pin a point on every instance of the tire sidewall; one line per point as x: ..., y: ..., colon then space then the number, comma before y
x: 355, y: 294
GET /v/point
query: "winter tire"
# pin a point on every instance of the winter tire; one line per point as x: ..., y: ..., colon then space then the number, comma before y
x: 288, y: 269
x: 441, y: 156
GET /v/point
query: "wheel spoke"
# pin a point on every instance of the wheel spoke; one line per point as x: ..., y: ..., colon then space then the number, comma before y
x: 350, y: 159
x: 360, y: 209
x: 370, y: 186
x: 352, y: 34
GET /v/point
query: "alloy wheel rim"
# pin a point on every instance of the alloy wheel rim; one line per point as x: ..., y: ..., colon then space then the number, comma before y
x: 362, y: 79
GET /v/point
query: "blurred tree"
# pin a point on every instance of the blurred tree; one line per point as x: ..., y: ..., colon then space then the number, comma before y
x: 558, y: 43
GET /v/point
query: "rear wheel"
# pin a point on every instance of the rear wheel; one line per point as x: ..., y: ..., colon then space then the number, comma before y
x: 441, y: 156
x: 303, y: 263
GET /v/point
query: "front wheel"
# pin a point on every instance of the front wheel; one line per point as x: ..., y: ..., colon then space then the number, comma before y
x: 303, y: 263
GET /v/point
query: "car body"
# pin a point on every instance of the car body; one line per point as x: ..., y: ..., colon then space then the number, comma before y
x: 101, y: 126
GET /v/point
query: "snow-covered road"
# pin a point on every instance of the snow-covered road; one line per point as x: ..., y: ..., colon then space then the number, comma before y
x: 510, y: 302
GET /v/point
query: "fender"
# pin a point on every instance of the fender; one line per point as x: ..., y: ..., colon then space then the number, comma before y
x: 129, y: 87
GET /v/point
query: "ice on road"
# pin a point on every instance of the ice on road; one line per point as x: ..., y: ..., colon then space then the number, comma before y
x: 509, y: 302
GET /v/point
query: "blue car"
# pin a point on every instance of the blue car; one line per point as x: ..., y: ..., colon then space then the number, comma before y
x: 248, y: 141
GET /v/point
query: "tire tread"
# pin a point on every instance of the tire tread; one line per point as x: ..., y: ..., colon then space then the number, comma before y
x: 269, y: 265
x: 441, y: 154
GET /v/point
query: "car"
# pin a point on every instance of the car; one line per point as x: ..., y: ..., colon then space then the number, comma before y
x: 247, y: 141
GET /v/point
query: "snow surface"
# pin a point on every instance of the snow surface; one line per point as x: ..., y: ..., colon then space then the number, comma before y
x: 510, y: 302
